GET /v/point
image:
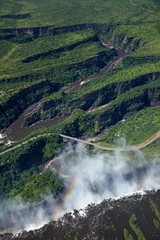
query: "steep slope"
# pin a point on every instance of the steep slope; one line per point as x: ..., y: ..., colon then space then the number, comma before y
x: 89, y: 70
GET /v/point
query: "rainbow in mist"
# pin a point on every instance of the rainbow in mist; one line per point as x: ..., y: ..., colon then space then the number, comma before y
x: 71, y: 191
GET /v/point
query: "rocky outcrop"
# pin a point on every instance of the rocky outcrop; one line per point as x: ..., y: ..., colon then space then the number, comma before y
x: 136, y: 216
x: 16, y: 16
x: 130, y: 44
x: 59, y: 106
x: 51, y: 30
x: 23, y: 99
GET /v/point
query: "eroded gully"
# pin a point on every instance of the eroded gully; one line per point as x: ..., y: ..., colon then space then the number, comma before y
x: 16, y: 131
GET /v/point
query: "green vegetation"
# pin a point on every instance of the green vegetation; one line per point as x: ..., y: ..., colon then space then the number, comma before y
x: 5, y: 48
x: 57, y: 56
x: 23, y: 99
x: 44, y: 53
x: 81, y: 123
x: 136, y: 129
x: 110, y: 227
x: 55, y: 103
x: 155, y: 209
x: 48, y: 57
x: 20, y: 170
x: 58, y: 14
x: 51, y: 46
x: 127, y: 236
x: 43, y: 44
x: 136, y: 228
x: 156, y: 224
x: 52, y: 61
x: 36, y: 189
x: 152, y: 150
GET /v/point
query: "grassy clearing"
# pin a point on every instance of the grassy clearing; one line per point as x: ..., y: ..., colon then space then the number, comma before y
x: 12, y: 64
x: 78, y: 54
x: 135, y: 130
x: 46, y: 43
x: 149, y: 49
x: 5, y: 48
x: 145, y: 31
x: 153, y: 150
x: 74, y: 12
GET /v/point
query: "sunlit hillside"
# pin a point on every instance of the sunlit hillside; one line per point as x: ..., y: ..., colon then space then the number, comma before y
x: 77, y: 70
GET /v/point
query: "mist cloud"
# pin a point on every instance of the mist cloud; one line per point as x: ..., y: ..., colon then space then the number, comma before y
x: 88, y: 178
x: 104, y: 175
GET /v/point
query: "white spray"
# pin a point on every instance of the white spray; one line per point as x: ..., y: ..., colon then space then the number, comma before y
x: 88, y: 178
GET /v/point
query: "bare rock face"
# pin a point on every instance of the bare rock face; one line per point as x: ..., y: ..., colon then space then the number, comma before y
x: 132, y: 217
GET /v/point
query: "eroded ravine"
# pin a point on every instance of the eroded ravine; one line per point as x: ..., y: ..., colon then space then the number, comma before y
x: 16, y: 131
x: 112, y: 64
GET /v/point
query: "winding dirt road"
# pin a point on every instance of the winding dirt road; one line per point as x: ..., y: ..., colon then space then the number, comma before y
x: 124, y: 149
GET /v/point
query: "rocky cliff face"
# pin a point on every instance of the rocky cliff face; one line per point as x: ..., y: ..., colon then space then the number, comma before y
x: 51, y: 30
x: 59, y: 106
x: 131, y: 217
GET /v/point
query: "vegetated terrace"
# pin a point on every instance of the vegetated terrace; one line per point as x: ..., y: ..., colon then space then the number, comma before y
x: 40, y: 64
